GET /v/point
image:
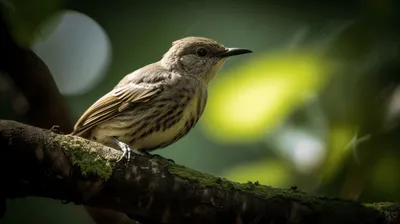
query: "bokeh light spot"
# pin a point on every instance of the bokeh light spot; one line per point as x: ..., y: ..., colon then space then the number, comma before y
x: 254, y: 97
x: 77, y: 51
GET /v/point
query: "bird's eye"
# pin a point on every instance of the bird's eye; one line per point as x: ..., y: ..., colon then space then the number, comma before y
x: 201, y: 52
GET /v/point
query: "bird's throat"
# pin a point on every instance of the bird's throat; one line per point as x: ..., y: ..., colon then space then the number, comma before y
x: 213, y: 71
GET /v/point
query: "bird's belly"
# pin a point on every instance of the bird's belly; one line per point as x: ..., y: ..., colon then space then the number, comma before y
x: 156, y: 139
x: 162, y: 138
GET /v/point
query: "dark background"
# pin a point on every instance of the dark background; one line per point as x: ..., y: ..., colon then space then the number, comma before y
x: 315, y: 106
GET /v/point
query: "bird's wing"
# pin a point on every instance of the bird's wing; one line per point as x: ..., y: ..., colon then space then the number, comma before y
x: 123, y: 96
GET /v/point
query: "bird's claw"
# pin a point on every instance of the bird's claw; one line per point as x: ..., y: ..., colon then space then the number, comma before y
x: 126, y: 150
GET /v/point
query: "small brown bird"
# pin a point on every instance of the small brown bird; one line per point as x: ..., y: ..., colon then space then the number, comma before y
x: 157, y: 104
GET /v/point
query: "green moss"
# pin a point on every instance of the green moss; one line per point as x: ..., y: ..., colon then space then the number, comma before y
x: 207, y: 180
x: 187, y: 173
x: 379, y: 205
x: 389, y: 210
x: 90, y: 163
x: 385, y: 207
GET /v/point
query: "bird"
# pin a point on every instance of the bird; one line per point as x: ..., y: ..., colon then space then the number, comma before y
x: 158, y: 104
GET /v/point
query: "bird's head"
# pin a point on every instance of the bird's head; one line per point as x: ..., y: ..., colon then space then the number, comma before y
x: 198, y: 56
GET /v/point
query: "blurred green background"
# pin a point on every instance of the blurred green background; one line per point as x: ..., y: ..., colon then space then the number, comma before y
x: 315, y: 106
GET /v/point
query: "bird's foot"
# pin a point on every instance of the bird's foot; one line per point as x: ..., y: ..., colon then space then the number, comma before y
x: 126, y: 150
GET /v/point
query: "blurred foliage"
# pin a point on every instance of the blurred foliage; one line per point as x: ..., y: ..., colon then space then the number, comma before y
x: 340, y: 139
x: 258, y: 171
x: 256, y: 96
x: 380, y: 177
x: 352, y: 43
x: 25, y: 16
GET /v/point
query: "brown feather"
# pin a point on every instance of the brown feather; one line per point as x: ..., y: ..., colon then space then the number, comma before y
x: 122, y: 97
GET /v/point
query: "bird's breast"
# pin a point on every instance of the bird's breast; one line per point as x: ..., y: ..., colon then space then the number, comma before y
x: 172, y: 128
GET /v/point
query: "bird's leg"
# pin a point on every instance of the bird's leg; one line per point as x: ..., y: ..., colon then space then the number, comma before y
x: 126, y: 150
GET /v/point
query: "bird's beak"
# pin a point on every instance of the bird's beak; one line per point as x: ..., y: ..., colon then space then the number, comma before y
x: 233, y: 51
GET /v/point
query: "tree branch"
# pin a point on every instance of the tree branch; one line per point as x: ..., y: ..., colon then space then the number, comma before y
x: 37, y: 162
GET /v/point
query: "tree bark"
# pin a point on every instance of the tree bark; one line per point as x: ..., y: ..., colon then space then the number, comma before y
x: 38, y: 162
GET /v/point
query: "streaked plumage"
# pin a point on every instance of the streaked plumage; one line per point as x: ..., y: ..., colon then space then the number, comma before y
x: 157, y: 104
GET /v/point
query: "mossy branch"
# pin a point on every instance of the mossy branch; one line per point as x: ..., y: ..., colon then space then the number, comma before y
x: 37, y: 162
